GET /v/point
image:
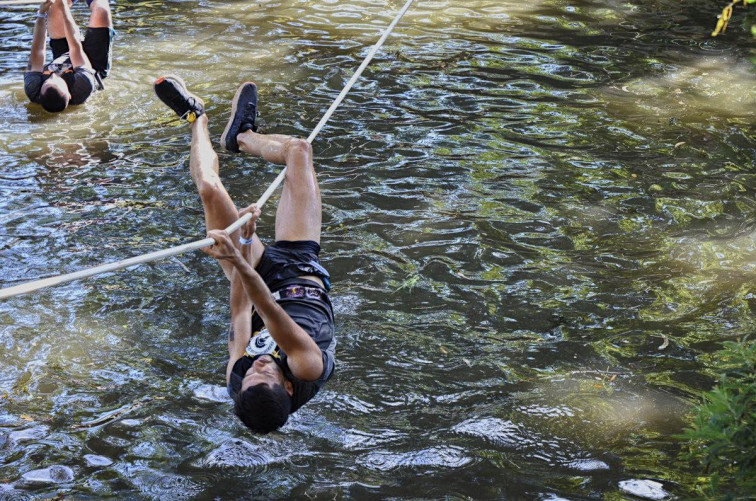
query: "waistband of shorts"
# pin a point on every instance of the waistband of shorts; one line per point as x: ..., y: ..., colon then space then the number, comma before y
x: 310, y: 245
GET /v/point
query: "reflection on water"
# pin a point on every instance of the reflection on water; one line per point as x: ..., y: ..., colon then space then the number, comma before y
x: 523, y: 203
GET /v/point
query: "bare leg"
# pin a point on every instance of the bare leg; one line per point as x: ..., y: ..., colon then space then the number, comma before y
x: 268, y: 146
x: 299, y: 213
x: 100, y: 16
x: 56, y: 27
x: 220, y: 211
x: 298, y: 216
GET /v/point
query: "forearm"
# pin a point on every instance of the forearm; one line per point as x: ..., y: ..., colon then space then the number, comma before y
x: 254, y: 286
x: 76, y: 50
x: 39, y: 45
x: 240, y: 330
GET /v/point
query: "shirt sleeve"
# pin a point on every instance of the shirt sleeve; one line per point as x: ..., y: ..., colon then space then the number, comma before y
x: 83, y: 85
x: 33, y: 84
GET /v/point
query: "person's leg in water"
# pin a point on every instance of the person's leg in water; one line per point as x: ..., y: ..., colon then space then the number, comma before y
x: 299, y: 213
x: 98, y: 41
x: 298, y: 216
x: 220, y: 211
x: 56, y: 27
x: 100, y: 15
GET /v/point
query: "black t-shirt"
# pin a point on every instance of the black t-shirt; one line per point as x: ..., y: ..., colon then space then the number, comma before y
x: 81, y: 81
x: 315, y: 316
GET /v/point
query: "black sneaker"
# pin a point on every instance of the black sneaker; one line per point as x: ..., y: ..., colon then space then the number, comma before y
x: 243, y: 115
x: 172, y: 91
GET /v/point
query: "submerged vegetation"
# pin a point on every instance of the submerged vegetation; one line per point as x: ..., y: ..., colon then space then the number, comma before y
x: 723, y: 432
x: 722, y: 437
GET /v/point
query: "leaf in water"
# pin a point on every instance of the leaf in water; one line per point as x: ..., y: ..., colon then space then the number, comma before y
x: 665, y: 343
x: 409, y: 284
x: 26, y: 417
x: 113, y: 415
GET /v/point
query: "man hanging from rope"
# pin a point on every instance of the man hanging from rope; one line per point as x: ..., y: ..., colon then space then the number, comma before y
x: 281, y: 339
x: 78, y: 67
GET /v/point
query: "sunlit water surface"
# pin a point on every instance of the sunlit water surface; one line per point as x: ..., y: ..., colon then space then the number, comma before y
x: 522, y: 201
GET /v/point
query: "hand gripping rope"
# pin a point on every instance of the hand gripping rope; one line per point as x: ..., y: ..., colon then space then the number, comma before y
x: 205, y: 242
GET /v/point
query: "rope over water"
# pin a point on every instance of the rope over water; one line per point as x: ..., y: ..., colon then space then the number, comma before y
x: 21, y: 2
x: 205, y: 242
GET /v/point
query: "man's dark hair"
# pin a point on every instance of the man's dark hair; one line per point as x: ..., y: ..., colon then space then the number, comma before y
x: 263, y: 408
x: 53, y: 100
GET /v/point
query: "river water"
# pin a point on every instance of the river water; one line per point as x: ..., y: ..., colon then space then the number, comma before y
x: 538, y: 217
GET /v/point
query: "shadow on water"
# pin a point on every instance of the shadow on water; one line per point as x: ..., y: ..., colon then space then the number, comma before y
x: 537, y: 217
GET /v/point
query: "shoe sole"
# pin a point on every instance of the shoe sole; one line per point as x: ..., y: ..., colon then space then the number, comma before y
x: 234, y: 104
x: 183, y: 84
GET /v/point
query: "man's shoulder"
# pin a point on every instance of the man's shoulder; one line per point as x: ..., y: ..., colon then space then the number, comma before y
x: 83, y: 85
x: 32, y: 84
x: 31, y: 76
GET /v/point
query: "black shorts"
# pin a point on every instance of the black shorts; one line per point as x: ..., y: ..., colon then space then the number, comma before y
x: 284, y: 261
x: 97, y: 46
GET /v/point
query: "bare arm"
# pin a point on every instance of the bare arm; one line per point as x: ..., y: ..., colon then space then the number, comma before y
x: 304, y: 356
x: 240, y: 330
x: 39, y: 41
x: 76, y: 50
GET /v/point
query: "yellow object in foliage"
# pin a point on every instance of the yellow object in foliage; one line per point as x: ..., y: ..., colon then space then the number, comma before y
x: 725, y: 16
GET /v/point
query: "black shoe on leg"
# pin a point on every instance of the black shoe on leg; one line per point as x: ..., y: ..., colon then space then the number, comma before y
x: 171, y: 89
x: 243, y: 115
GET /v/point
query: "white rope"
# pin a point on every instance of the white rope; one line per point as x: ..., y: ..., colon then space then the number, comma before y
x: 21, y: 2
x: 339, y: 99
x: 154, y: 256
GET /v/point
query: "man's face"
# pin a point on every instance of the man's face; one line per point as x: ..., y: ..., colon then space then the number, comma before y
x: 264, y: 370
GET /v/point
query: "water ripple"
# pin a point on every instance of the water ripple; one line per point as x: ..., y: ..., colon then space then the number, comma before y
x: 434, y: 457
x: 513, y: 192
x: 238, y: 453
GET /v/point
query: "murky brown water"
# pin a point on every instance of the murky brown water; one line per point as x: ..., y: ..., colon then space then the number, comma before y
x: 522, y: 200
